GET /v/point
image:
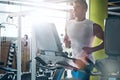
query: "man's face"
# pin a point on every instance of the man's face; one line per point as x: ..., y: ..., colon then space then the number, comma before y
x: 78, y: 10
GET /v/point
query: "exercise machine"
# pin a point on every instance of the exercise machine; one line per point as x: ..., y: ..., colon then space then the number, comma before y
x: 109, y: 68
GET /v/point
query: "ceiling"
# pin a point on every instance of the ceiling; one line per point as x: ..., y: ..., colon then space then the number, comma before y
x: 114, y: 7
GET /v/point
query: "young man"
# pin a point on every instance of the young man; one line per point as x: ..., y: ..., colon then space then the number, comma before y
x: 80, y: 33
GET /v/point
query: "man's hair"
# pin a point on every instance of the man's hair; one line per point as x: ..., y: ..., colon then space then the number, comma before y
x: 82, y: 2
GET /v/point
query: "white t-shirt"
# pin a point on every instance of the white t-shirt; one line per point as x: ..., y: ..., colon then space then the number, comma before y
x: 81, y: 35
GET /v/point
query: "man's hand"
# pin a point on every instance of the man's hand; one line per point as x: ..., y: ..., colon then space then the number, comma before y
x: 67, y: 42
x: 81, y: 63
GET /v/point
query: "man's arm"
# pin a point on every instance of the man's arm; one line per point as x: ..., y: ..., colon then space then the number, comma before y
x: 67, y: 41
x: 98, y: 32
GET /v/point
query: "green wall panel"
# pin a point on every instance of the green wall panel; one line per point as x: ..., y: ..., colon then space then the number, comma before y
x: 98, y: 13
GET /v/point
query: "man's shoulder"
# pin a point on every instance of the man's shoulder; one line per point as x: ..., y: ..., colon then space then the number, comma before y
x: 87, y: 21
x: 96, y: 26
